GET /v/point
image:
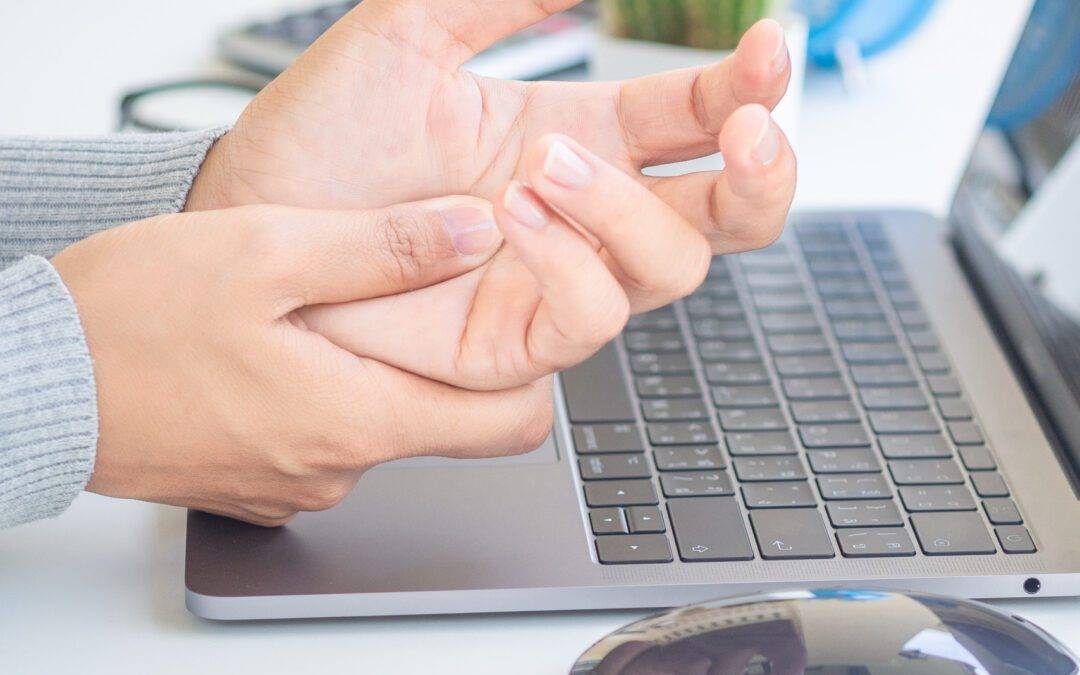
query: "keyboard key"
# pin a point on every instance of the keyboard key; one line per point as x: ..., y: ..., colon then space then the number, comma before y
x: 620, y: 493
x: 689, y: 458
x: 918, y: 446
x: 844, y: 460
x: 977, y: 458
x: 678, y: 409
x: 778, y: 495
x: 608, y: 467
x: 966, y: 433
x: 659, y: 343
x: 806, y: 366
x: 709, y: 529
x: 681, y: 433
x: 863, y: 331
x: 797, y: 322
x: 937, y: 498
x: 761, y: 443
x: 841, y: 310
x: 666, y: 386
x: 781, y: 302
x: 710, y: 328
x: 892, y: 398
x: 645, y: 519
x: 660, y: 364
x: 943, y: 385
x: 777, y: 282
x: 864, y: 514
x: 923, y: 340
x: 603, y: 438
x: 1002, y: 511
x: 607, y: 521
x: 989, y: 484
x: 758, y: 419
x: 728, y: 351
x: 622, y: 549
x: 954, y: 409
x: 753, y: 396
x: 798, y: 344
x: 717, y: 287
x: 736, y: 373
x: 659, y: 320
x: 833, y: 436
x: 715, y: 307
x: 873, y: 353
x: 596, y: 391
x: 823, y: 412
x: 791, y: 534
x: 815, y: 389
x: 952, y: 534
x: 875, y: 543
x: 933, y: 362
x: 925, y: 472
x: 913, y: 318
x: 701, y: 484
x: 762, y: 469
x: 903, y: 422
x: 1015, y: 539
x: 895, y: 375
x: 853, y: 487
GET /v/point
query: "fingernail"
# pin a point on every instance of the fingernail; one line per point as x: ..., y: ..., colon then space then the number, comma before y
x: 780, y: 57
x: 767, y: 146
x: 524, y: 207
x: 472, y: 229
x: 566, y: 167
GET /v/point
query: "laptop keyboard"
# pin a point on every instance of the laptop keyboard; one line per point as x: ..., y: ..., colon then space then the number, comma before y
x: 797, y: 406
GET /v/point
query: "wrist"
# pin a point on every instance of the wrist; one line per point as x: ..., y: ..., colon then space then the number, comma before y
x: 211, y: 188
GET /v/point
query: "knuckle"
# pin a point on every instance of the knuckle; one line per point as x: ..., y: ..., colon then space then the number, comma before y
x: 410, y: 243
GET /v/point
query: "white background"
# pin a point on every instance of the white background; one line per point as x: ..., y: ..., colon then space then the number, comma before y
x: 100, y: 588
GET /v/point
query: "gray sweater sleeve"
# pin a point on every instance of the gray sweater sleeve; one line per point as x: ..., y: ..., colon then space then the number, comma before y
x: 52, y: 194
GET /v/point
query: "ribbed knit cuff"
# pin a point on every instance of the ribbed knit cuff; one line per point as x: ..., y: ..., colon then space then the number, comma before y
x: 48, y: 400
x: 55, y: 192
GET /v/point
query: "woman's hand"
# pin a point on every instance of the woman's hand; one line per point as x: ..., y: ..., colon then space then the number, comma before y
x: 212, y: 394
x: 586, y: 246
x: 378, y: 111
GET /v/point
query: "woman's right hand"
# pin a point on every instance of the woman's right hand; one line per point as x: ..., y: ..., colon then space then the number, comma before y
x: 213, y: 395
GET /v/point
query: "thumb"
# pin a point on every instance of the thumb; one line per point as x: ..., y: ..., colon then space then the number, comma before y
x: 355, y: 255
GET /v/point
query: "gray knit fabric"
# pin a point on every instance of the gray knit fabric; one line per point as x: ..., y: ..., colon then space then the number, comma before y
x: 52, y: 194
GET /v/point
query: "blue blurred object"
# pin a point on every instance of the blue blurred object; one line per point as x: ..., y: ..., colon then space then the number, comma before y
x: 1046, y: 62
x: 871, y: 25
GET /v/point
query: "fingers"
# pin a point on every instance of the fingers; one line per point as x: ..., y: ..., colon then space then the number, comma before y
x: 582, y: 306
x: 337, y: 256
x: 453, y: 31
x: 428, y: 418
x: 678, y: 115
x: 744, y: 206
x: 659, y: 257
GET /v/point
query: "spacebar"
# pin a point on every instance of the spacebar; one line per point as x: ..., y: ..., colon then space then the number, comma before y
x: 709, y: 529
x: 596, y: 389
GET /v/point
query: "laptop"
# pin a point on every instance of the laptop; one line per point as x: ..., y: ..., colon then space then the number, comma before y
x: 879, y: 400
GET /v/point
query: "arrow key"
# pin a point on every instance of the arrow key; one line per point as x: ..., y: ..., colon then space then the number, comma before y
x: 625, y: 549
x: 607, y: 521
x: 645, y: 519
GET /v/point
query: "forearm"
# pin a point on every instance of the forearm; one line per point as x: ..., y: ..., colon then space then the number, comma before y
x: 54, y: 193
x: 59, y: 191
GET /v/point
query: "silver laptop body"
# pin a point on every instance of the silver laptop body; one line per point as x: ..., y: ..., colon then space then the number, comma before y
x: 877, y: 401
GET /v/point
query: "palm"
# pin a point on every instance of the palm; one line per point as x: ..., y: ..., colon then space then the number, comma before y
x: 341, y: 131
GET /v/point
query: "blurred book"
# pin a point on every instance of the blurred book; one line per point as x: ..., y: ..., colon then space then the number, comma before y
x: 560, y: 43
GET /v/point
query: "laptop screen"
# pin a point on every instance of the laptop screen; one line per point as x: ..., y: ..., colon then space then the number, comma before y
x: 1017, y: 213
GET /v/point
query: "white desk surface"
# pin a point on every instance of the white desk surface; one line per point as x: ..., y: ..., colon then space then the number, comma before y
x: 100, y: 588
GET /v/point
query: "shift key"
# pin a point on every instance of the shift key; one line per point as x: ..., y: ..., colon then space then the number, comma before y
x: 596, y: 390
x: 709, y: 529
